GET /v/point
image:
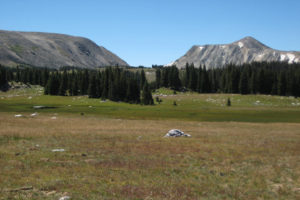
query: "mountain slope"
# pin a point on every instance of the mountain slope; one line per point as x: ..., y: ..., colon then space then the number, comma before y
x: 246, y: 50
x: 53, y: 50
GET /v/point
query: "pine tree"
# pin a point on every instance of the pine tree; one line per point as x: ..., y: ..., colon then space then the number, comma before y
x: 146, y: 95
x: 142, y: 79
x: 158, y: 78
x: 228, y: 102
x: 253, y: 83
x: 63, y: 83
x: 192, y: 82
x: 281, y: 84
x: 243, y: 85
x: 92, y: 92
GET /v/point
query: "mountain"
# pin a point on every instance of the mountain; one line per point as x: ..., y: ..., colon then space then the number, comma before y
x: 53, y: 50
x: 246, y: 50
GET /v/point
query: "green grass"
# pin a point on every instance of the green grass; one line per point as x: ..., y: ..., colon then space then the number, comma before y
x: 190, y: 106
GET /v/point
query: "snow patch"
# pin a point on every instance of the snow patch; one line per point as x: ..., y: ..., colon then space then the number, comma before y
x: 291, y: 57
x: 241, y: 45
x: 288, y: 57
x: 201, y: 48
x: 282, y: 57
x: 223, y: 46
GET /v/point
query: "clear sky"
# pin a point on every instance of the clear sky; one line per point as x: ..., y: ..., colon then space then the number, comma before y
x: 146, y: 32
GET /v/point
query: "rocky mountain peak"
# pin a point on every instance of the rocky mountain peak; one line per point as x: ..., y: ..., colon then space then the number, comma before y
x: 245, y: 50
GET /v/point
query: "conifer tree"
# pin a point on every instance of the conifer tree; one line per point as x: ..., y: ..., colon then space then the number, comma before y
x: 146, y: 95
x: 243, y: 85
x: 63, y: 83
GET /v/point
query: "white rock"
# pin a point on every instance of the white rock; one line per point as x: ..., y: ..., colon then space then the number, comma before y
x: 34, y: 114
x: 18, y: 115
x: 53, y: 117
x: 176, y: 133
x: 65, y: 198
x: 58, y: 150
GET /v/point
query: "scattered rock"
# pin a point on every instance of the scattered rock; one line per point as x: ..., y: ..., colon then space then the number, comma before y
x: 65, y: 198
x: 50, y: 193
x: 33, y: 114
x: 58, y: 150
x: 18, y: 115
x: 53, y: 117
x: 39, y: 107
x: 176, y: 133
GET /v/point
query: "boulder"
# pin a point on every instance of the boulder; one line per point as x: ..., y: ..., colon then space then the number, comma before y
x: 176, y: 133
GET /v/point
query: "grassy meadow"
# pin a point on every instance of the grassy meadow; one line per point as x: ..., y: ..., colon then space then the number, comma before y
x: 117, y: 151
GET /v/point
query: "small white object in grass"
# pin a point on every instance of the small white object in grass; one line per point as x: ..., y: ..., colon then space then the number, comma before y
x: 29, y: 97
x: 176, y: 133
x: 53, y: 117
x: 18, y: 115
x: 58, y: 150
x: 65, y: 198
x: 34, y: 114
x: 69, y: 105
x: 90, y: 106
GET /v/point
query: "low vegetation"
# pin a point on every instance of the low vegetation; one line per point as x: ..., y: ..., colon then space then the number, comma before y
x: 128, y: 159
x: 242, y: 146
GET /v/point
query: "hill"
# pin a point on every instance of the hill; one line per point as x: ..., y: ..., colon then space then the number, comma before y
x: 53, y: 51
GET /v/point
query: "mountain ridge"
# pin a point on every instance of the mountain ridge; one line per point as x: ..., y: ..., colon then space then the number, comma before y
x: 245, y: 50
x: 53, y: 50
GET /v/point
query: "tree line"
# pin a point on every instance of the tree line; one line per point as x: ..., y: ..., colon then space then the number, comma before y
x: 112, y: 83
x: 276, y: 78
x: 118, y: 84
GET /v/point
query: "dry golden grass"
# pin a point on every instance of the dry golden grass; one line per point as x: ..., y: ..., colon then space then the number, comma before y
x: 129, y: 159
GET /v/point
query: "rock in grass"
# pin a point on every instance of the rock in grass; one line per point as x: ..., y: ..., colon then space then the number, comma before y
x: 176, y: 133
x: 58, y: 150
x: 65, y: 198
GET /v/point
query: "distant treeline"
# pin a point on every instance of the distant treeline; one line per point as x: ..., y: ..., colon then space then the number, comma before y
x: 274, y: 78
x: 111, y: 83
x: 118, y: 84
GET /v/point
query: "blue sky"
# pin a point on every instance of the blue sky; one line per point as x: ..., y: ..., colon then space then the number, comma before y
x: 146, y: 32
